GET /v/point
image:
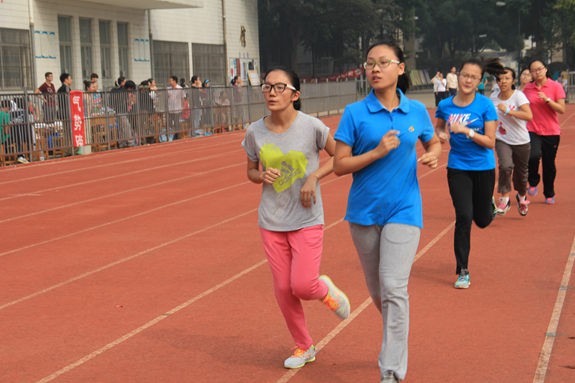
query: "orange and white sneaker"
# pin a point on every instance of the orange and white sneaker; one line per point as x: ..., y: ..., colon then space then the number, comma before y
x: 300, y: 358
x: 336, y: 300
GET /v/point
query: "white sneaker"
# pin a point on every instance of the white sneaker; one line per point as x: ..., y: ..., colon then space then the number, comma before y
x: 23, y: 160
x: 336, y: 300
x: 300, y: 358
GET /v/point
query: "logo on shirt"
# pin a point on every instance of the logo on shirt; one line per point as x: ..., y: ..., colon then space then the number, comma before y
x: 291, y: 166
x: 462, y: 119
x: 411, y: 129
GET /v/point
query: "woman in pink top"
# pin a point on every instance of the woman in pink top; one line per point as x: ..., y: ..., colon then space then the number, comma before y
x: 546, y: 98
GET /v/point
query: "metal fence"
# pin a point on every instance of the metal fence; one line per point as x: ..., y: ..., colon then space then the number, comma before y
x: 37, y: 126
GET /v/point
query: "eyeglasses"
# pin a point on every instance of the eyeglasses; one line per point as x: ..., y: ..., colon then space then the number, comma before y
x: 279, y: 87
x: 537, y: 70
x: 466, y: 77
x: 369, y: 65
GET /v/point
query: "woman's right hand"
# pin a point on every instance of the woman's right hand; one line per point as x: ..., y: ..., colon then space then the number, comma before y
x: 387, y: 143
x: 270, y: 175
x: 443, y: 137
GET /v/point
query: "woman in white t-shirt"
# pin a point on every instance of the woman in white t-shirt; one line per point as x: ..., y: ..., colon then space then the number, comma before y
x: 512, y: 142
x: 439, y: 88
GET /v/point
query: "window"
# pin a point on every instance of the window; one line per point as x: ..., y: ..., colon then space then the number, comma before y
x: 170, y: 59
x: 123, y: 49
x: 210, y: 62
x: 86, y: 47
x: 65, y: 36
x: 15, y: 59
x: 106, y: 49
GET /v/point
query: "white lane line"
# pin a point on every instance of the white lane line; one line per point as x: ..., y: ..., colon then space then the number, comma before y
x: 123, y: 219
x: 125, y: 259
x: 161, y: 155
x: 164, y: 316
x: 290, y: 374
x: 149, y: 324
x: 554, y: 322
x: 229, y: 153
x: 118, y: 193
x: 145, y: 251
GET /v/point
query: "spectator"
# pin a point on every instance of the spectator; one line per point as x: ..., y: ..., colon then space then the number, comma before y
x: 196, y: 102
x: 206, y: 103
x: 176, y: 97
x: 123, y: 106
x: 94, y: 78
x: 452, y: 82
x: 146, y: 110
x: 224, y: 104
x: 238, y: 112
x: 49, y: 101
x: 63, y: 101
x: 5, y: 122
x: 119, y: 84
x: 439, y: 84
x: 183, y: 83
x: 152, y: 84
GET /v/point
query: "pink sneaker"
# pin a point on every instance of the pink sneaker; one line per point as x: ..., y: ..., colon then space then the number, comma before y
x: 522, y: 205
x: 503, y: 206
x: 549, y: 201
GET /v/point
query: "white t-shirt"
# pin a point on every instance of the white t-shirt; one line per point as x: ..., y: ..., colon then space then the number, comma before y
x: 452, y: 81
x: 511, y: 130
x: 439, y: 85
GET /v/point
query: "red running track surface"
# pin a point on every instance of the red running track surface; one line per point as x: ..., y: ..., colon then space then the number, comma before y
x: 146, y: 265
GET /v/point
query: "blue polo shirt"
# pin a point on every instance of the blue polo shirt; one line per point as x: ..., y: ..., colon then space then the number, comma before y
x: 465, y: 154
x: 387, y: 190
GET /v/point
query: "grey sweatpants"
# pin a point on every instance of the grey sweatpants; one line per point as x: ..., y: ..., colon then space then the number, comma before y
x: 386, y: 254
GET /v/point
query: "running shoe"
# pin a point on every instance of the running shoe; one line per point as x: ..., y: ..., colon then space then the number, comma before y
x: 522, y: 205
x: 503, y: 207
x: 463, y: 281
x: 300, y: 358
x: 549, y: 201
x: 335, y: 299
x: 389, y: 377
x: 23, y: 160
x: 494, y: 207
x: 532, y: 190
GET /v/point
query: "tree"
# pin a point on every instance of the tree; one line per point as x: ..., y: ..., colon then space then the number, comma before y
x: 567, y: 7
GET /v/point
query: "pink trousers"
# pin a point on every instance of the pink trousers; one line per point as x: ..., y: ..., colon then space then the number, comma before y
x: 294, y: 258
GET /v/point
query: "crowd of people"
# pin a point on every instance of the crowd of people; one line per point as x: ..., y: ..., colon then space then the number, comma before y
x: 376, y: 142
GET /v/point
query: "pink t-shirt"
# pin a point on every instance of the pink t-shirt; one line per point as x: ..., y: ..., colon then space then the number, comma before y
x: 545, y: 121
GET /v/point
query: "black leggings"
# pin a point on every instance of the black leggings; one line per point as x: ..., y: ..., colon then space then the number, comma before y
x: 471, y: 192
x: 544, y: 148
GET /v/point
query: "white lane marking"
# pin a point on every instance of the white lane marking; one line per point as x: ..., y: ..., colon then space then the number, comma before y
x: 122, y: 175
x: 105, y: 165
x: 554, y: 322
x: 118, y: 193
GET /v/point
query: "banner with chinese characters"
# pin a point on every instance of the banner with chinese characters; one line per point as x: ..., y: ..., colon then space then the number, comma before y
x: 77, y: 113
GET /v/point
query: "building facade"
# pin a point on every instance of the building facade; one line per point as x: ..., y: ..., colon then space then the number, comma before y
x: 135, y: 39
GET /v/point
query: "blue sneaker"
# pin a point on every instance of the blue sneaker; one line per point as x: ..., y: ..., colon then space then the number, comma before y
x: 549, y: 201
x: 463, y: 281
x: 300, y: 358
x: 532, y: 190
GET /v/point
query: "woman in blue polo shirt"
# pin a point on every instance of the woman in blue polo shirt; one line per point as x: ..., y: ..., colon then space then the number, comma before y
x: 376, y: 141
x: 472, y: 121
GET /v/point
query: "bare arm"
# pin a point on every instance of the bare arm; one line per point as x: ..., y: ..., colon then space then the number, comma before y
x: 523, y: 114
x: 432, y: 152
x: 486, y: 140
x: 257, y: 176
x: 307, y: 192
x: 442, y: 135
x: 345, y: 162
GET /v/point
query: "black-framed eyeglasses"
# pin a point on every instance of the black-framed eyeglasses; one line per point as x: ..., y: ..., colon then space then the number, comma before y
x: 279, y: 87
x: 369, y: 65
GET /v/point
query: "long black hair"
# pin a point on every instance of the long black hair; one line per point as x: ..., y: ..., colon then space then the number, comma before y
x: 490, y: 65
x: 545, y: 65
x: 294, y: 81
x: 402, y: 79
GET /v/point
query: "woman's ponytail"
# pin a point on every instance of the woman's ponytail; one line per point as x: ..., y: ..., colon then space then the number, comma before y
x: 403, y: 82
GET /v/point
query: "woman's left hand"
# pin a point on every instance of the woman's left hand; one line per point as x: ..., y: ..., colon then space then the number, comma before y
x: 307, y: 192
x: 542, y: 96
x: 429, y: 159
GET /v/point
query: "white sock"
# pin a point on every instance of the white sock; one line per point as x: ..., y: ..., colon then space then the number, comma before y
x: 521, y: 199
x: 504, y: 199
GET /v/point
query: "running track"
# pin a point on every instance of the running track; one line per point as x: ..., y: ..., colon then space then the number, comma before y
x: 145, y: 265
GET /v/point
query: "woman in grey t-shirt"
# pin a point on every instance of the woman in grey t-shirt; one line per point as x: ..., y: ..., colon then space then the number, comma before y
x: 287, y: 143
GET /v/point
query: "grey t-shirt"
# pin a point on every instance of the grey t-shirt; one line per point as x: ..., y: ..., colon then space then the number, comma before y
x: 295, y: 153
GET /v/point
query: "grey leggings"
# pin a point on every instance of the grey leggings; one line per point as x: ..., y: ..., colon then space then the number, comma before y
x: 386, y: 254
